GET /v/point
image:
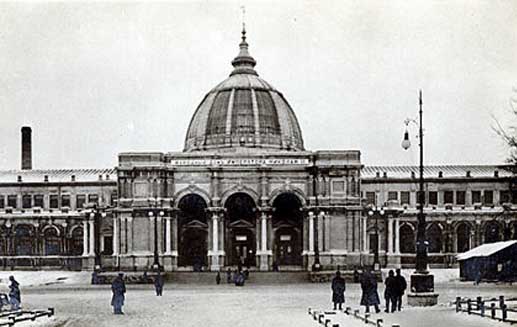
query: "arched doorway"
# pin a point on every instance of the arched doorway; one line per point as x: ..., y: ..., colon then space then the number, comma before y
x: 192, y: 232
x: 407, y: 239
x: 463, y: 238
x: 23, y: 240
x: 492, y: 232
x: 287, y: 227
x: 434, y: 237
x: 241, y: 225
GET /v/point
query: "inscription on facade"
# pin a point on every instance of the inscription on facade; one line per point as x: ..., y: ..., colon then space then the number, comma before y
x: 239, y: 162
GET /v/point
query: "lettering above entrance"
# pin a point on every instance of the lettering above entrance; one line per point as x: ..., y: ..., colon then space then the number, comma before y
x: 240, y: 162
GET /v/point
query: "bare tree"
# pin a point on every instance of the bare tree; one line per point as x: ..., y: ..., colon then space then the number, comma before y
x: 509, y: 133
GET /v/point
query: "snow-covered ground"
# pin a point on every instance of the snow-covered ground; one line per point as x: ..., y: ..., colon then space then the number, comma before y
x: 227, y: 305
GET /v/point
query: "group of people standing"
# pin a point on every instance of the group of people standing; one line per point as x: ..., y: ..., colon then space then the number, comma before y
x: 118, y: 288
x: 15, y: 299
x: 395, y: 286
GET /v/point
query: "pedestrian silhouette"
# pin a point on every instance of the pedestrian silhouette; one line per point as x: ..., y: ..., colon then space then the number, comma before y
x: 338, y: 290
x: 390, y: 292
x: 369, y: 294
x: 118, y: 288
x: 158, y: 284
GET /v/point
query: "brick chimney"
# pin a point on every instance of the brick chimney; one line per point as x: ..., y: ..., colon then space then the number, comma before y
x: 26, y: 148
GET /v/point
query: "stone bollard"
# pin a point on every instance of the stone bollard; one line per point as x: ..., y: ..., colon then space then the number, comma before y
x: 492, y: 310
x: 366, y: 316
x: 379, y: 322
x: 458, y: 304
x: 315, y: 315
x: 348, y: 310
x: 469, y: 306
x: 51, y: 312
x: 327, y: 322
x: 320, y: 318
x: 504, y: 312
x: 356, y: 313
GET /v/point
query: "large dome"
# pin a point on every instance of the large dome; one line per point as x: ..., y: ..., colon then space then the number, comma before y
x: 244, y: 112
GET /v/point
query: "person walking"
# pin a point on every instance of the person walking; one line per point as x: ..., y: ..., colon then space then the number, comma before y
x: 158, y: 284
x: 338, y: 290
x: 369, y: 291
x: 218, y: 278
x: 14, y: 294
x: 390, y: 292
x: 400, y: 288
x: 118, y: 288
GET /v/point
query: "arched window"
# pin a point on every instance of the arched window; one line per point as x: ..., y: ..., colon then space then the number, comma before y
x: 463, y: 238
x: 492, y: 232
x: 407, y: 239
x: 76, y: 242
x: 434, y: 237
x: 3, y: 241
x: 51, y: 241
x: 23, y: 240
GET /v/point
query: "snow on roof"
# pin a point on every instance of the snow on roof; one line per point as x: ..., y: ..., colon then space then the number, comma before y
x: 485, y: 250
x: 433, y: 171
x: 57, y: 175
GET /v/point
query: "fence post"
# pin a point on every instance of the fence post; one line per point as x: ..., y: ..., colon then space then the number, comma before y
x: 320, y: 318
x: 478, y: 302
x: 482, y: 308
x: 469, y: 306
x: 458, y: 304
x: 314, y: 315
x: 379, y: 322
x: 505, y: 313
x: 492, y: 310
x: 348, y: 310
x: 356, y: 312
x: 327, y: 322
x: 51, y: 312
x: 366, y: 316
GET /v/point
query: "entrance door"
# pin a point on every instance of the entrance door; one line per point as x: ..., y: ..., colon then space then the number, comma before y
x: 288, y: 247
x: 194, y: 247
x: 243, y: 247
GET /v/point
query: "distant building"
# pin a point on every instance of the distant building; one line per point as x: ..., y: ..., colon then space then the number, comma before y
x: 244, y: 191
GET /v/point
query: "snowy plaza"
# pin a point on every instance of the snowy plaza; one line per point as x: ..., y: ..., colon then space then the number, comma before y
x: 79, y: 304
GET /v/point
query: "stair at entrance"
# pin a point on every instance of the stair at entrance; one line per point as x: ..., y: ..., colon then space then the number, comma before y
x: 255, y: 277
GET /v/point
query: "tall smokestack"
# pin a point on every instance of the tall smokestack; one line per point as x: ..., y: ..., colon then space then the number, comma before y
x: 26, y: 148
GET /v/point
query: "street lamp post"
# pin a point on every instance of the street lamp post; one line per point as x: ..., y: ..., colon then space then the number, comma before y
x: 374, y: 211
x: 95, y: 215
x: 154, y: 213
x: 422, y: 282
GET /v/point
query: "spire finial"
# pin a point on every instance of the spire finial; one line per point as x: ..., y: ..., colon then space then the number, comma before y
x: 244, y: 62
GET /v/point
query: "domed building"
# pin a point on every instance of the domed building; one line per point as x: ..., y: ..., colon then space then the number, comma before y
x: 244, y: 191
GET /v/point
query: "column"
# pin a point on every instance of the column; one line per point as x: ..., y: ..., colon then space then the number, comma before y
x: 175, y: 235
x: 168, y: 249
x: 311, y: 233
x: 263, y: 232
x: 85, y: 238
x: 390, y: 235
x: 215, y: 242
x: 115, y: 236
x: 92, y: 238
x: 397, y: 236
x: 129, y: 233
x: 123, y: 235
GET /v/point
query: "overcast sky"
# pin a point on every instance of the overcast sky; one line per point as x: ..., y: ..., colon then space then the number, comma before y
x: 96, y: 79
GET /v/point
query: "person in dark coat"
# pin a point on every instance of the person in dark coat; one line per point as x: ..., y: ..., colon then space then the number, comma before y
x: 390, y: 292
x: 229, y: 277
x: 239, y: 278
x: 218, y: 278
x: 118, y: 288
x: 14, y: 294
x: 400, y: 288
x: 369, y: 291
x: 338, y: 290
x: 158, y: 284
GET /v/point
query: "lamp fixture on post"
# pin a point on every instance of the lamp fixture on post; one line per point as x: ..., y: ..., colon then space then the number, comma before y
x: 422, y: 282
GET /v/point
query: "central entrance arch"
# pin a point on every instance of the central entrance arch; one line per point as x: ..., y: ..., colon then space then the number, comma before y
x: 241, y: 226
x: 192, y: 232
x: 288, y: 230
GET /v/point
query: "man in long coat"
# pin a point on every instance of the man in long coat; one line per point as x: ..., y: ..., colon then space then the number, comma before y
x: 158, y: 284
x: 401, y: 286
x: 390, y: 292
x: 14, y: 294
x: 338, y: 290
x: 118, y: 287
x: 369, y: 291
